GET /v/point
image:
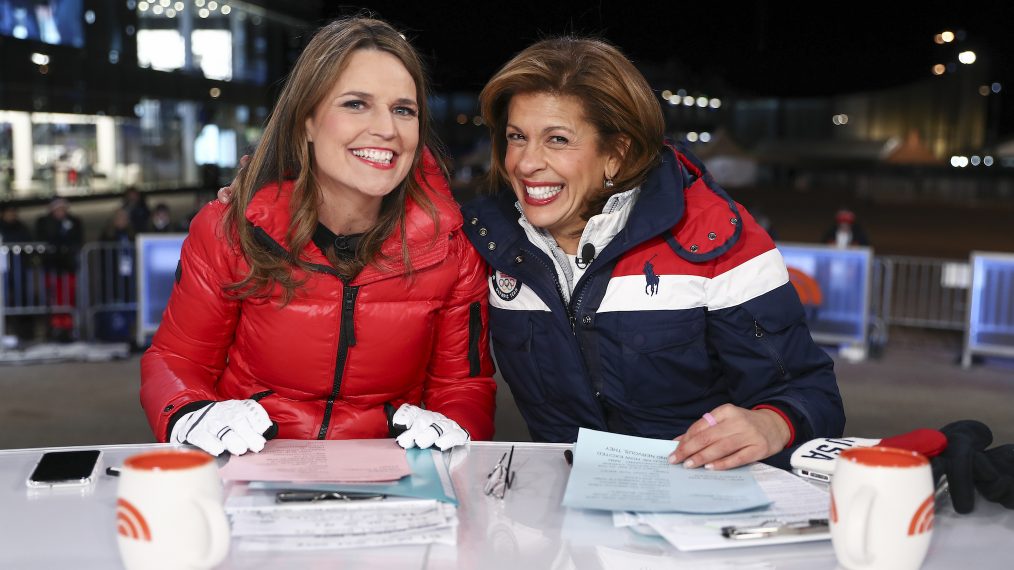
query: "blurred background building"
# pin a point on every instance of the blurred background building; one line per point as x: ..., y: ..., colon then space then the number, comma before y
x: 877, y: 104
x: 97, y: 95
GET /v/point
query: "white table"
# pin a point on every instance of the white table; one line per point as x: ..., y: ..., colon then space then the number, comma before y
x: 528, y: 530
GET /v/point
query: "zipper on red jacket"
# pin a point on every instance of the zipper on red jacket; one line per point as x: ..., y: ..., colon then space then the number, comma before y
x: 346, y: 339
x: 474, y: 336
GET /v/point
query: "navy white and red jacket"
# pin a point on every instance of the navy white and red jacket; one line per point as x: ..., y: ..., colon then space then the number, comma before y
x: 688, y: 307
x: 335, y: 361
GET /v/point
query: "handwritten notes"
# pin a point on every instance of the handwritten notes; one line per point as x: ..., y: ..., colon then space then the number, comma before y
x: 352, y: 460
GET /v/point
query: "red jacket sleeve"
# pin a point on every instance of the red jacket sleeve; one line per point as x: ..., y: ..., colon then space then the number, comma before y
x: 459, y: 382
x: 188, y: 353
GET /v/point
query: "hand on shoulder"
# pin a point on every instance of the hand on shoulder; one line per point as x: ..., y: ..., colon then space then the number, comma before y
x: 225, y: 192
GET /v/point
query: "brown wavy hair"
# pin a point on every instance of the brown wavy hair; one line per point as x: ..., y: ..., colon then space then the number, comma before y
x: 616, y: 98
x: 284, y: 152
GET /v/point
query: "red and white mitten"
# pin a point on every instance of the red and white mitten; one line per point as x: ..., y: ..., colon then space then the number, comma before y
x: 815, y: 459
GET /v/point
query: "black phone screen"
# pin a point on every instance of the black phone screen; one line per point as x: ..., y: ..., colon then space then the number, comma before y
x: 58, y: 466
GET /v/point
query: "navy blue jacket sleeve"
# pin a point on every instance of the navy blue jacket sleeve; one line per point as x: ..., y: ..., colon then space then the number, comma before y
x: 767, y: 356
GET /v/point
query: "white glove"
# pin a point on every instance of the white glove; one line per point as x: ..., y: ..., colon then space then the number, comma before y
x: 236, y: 425
x: 426, y: 428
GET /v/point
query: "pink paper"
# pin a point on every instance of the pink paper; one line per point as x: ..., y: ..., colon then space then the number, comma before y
x: 297, y: 460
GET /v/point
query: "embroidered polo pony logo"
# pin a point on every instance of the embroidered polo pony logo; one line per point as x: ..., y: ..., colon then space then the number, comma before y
x: 651, y: 280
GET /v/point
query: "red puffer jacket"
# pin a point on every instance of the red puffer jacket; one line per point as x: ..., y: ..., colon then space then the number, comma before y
x: 326, y: 364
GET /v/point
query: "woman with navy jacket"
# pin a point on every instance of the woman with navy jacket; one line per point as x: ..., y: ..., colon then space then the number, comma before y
x: 628, y: 292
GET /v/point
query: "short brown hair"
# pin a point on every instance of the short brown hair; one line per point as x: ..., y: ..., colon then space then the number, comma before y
x: 617, y: 101
x: 284, y: 152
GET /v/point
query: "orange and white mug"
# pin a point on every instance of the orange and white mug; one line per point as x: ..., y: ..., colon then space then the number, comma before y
x: 169, y: 511
x: 881, y: 508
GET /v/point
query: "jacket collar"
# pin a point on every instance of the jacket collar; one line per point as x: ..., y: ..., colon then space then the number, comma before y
x: 427, y: 240
x: 660, y: 210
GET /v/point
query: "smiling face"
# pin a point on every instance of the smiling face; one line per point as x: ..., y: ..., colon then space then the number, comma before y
x: 554, y: 162
x: 366, y: 129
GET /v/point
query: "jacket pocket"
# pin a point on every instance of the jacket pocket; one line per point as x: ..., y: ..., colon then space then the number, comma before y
x: 511, y: 335
x: 665, y: 363
x: 771, y: 323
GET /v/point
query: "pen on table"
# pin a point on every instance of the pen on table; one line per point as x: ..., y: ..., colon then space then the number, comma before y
x: 775, y: 528
x: 569, y: 456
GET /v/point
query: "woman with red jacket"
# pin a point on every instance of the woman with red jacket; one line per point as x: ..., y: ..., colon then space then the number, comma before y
x: 337, y: 286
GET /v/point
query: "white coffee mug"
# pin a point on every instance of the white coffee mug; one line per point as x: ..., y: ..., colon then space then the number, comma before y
x: 881, y: 508
x: 169, y: 512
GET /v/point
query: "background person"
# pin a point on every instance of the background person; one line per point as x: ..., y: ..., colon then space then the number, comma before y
x: 845, y: 232
x: 116, y: 276
x: 12, y: 229
x: 324, y: 303
x: 629, y: 292
x: 161, y: 220
x: 137, y: 207
x: 64, y: 232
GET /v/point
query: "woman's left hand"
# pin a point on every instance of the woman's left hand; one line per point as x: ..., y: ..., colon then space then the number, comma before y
x: 425, y: 428
x: 739, y: 436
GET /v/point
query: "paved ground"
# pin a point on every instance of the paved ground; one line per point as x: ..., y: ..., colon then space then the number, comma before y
x: 916, y: 383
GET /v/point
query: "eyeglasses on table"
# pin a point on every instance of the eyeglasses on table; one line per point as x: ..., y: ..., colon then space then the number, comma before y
x: 501, y: 477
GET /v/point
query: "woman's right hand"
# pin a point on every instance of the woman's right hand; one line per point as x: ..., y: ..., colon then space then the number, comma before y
x: 234, y: 425
x: 734, y: 436
x: 225, y: 192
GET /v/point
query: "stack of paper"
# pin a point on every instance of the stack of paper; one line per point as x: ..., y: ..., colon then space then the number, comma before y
x: 417, y: 508
x: 688, y: 507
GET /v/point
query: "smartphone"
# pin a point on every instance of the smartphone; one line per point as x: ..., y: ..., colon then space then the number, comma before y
x: 815, y: 475
x: 65, y: 469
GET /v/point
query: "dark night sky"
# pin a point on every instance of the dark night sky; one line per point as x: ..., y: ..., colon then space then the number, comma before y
x: 763, y: 47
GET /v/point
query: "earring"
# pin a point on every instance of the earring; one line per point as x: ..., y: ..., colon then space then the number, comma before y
x: 609, y: 183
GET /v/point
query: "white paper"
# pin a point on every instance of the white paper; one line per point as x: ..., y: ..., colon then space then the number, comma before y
x: 445, y: 535
x: 794, y: 500
x: 616, y: 559
x: 255, y: 513
x: 616, y: 472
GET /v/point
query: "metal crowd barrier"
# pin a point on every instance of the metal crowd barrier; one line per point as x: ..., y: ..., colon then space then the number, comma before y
x: 95, y: 300
x: 923, y: 292
x: 918, y: 292
x: 30, y: 286
x: 904, y: 291
x: 107, y: 291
